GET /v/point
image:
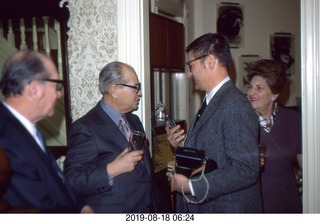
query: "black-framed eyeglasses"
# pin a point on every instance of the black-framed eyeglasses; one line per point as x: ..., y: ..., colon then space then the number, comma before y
x: 197, y: 58
x: 137, y: 87
x: 58, y: 82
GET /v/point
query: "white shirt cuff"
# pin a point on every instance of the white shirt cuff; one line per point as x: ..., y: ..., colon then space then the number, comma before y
x: 191, y: 188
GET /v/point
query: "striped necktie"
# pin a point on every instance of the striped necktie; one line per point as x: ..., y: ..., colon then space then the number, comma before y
x: 125, y: 128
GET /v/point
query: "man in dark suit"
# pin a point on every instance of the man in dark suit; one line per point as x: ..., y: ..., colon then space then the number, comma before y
x: 31, y: 87
x: 100, y: 164
x: 226, y: 130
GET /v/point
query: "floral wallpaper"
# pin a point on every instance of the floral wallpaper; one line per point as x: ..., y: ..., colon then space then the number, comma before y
x: 92, y: 43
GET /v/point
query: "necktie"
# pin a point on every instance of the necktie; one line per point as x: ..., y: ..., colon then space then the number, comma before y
x: 203, y: 107
x: 53, y: 161
x: 40, y: 137
x: 125, y: 128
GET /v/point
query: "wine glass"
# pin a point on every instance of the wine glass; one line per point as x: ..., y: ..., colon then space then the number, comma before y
x: 137, y: 140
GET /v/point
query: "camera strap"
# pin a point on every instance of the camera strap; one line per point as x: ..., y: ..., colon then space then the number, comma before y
x: 194, y: 172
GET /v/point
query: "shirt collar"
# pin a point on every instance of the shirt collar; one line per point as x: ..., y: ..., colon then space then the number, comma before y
x: 111, y: 112
x: 215, y: 90
x: 24, y: 121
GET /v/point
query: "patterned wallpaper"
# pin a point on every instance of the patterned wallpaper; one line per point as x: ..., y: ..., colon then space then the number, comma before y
x: 92, y: 43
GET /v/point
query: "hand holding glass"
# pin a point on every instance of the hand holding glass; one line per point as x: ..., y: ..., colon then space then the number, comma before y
x: 137, y: 140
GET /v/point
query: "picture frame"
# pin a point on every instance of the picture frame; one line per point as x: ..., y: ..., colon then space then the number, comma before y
x: 230, y: 23
x: 282, y: 50
x: 243, y: 66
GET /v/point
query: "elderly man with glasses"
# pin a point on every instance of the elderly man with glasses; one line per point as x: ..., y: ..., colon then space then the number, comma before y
x: 31, y: 87
x: 101, y: 162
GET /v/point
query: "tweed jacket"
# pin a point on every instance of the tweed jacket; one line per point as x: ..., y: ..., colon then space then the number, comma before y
x: 228, y: 133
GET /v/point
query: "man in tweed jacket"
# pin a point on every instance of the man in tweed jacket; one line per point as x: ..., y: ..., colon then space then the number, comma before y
x: 227, y: 131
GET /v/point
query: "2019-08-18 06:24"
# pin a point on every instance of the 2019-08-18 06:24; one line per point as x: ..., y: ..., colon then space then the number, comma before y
x: 159, y: 217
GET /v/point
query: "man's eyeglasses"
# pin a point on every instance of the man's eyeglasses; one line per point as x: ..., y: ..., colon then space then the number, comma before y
x: 137, y: 87
x: 58, y: 82
x: 197, y: 58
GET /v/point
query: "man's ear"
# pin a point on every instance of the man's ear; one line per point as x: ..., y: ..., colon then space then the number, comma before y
x: 211, y: 61
x: 34, y: 90
x: 114, y: 91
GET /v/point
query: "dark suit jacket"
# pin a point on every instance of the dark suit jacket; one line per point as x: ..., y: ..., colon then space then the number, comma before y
x: 34, y: 180
x: 94, y: 141
x: 228, y: 132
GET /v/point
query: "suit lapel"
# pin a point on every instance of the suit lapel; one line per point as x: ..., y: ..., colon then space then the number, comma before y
x: 30, y: 144
x: 114, y: 133
x: 211, y: 107
x: 45, y: 157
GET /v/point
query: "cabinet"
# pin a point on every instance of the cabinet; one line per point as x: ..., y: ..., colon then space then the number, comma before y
x: 166, y: 43
x: 166, y: 57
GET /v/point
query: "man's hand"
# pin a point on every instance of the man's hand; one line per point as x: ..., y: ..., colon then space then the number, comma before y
x: 87, y: 210
x: 125, y: 162
x: 175, y: 135
x: 179, y: 181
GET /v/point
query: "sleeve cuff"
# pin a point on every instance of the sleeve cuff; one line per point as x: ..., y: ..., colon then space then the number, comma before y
x: 110, y: 179
x: 191, y: 188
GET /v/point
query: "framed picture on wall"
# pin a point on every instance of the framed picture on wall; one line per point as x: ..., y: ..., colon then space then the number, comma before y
x: 230, y: 23
x: 244, y: 63
x: 282, y: 49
